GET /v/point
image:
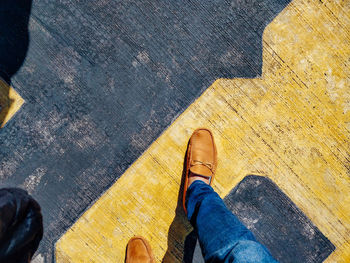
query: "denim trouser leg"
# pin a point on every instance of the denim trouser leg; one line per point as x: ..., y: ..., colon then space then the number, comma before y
x: 223, y: 238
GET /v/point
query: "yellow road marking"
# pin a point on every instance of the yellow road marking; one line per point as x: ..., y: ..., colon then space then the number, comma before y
x: 10, y: 102
x: 291, y: 125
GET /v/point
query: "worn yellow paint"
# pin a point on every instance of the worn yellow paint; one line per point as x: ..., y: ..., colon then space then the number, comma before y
x: 291, y: 125
x: 10, y: 102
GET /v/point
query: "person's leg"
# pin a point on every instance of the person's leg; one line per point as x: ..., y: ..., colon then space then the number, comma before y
x: 223, y: 238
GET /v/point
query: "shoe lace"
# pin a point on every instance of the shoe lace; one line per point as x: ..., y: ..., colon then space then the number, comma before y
x: 197, y: 162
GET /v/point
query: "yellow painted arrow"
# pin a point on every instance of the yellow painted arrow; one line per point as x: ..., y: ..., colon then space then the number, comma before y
x: 291, y: 125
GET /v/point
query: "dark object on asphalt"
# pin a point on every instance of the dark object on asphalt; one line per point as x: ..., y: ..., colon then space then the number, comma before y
x: 21, y: 227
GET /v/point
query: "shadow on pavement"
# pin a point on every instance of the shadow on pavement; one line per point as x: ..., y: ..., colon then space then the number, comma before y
x: 14, y: 41
x: 182, y: 239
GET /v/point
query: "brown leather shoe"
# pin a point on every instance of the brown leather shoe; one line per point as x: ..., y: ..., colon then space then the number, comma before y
x: 138, y: 251
x: 201, y: 158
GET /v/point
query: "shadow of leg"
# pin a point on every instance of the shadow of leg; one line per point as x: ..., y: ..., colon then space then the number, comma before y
x: 181, y: 237
x: 178, y: 231
x: 190, y: 246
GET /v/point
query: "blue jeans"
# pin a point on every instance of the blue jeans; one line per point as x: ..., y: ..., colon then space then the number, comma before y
x: 222, y: 237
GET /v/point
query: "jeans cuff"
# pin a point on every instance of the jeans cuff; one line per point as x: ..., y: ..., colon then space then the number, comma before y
x: 197, y: 188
